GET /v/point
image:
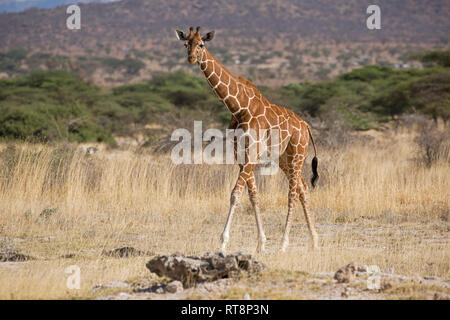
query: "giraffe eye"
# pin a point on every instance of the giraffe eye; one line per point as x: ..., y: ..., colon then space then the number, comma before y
x: 201, y: 45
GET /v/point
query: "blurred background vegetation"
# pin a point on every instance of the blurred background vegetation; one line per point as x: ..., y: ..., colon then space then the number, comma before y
x: 61, y: 106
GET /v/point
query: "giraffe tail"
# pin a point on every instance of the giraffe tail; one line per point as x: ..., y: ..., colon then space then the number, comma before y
x: 314, y: 162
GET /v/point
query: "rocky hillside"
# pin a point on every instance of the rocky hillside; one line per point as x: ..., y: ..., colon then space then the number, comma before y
x: 264, y: 40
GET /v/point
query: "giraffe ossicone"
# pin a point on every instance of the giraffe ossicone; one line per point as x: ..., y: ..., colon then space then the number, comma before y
x: 250, y: 110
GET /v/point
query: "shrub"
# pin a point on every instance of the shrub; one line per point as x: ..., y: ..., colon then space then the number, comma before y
x: 433, y: 144
x: 437, y: 57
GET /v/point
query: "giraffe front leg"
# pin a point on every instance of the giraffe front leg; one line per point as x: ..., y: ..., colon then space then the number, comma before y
x: 234, y: 202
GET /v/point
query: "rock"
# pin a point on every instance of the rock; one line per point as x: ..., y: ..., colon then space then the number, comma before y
x: 124, y: 252
x: 112, y: 284
x: 441, y: 296
x: 196, y: 269
x: 362, y: 268
x: 347, y: 292
x: 246, y: 296
x: 12, y: 255
x: 174, y: 287
x: 124, y: 296
x: 159, y: 290
x: 346, y: 274
x: 48, y: 212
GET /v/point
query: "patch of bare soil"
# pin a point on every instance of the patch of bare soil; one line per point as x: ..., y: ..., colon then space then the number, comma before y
x: 349, y: 282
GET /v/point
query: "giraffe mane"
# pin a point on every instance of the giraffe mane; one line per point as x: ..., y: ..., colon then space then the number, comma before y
x: 250, y: 84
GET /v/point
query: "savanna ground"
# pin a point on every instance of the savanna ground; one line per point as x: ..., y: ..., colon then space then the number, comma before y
x: 378, y: 203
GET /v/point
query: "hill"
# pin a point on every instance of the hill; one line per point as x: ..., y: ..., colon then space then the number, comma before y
x: 271, y: 42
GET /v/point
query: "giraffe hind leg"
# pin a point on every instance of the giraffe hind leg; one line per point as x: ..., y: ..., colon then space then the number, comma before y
x: 288, y: 167
x: 300, y: 195
x: 292, y: 201
x: 303, y: 195
x: 253, y: 194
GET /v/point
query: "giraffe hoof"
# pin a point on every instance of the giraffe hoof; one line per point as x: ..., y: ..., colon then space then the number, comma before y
x: 223, y: 248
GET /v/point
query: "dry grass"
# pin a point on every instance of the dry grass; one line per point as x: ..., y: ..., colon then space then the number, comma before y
x: 374, y: 205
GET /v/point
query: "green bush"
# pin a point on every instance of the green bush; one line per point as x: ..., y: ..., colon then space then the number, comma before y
x: 437, y: 57
x: 131, y: 66
x: 367, y: 96
x: 56, y: 105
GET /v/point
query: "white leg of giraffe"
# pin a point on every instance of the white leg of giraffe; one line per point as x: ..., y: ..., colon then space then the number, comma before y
x: 234, y: 201
x: 292, y: 199
x: 303, y: 194
x: 244, y: 174
x: 253, y: 194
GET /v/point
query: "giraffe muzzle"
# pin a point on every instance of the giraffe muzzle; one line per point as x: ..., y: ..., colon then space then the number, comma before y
x: 192, y: 59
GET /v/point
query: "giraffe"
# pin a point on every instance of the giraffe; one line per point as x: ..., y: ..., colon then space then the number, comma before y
x: 250, y: 110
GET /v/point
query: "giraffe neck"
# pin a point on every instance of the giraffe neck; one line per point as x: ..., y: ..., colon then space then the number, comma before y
x: 222, y: 81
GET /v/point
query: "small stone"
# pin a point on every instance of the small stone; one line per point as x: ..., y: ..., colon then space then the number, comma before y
x: 125, y: 252
x: 345, y: 274
x: 174, y: 287
x: 246, y: 296
x: 362, y: 268
x: 124, y: 295
x: 48, y: 212
x: 12, y: 255
x: 347, y: 292
x: 159, y: 290
x: 112, y: 284
x: 440, y: 296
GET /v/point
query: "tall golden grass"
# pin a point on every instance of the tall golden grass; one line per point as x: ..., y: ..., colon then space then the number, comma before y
x: 374, y: 204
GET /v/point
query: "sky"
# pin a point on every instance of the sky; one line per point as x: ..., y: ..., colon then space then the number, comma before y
x: 21, y: 5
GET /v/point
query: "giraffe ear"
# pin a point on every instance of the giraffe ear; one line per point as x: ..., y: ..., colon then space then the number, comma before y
x: 209, y: 36
x: 180, y: 35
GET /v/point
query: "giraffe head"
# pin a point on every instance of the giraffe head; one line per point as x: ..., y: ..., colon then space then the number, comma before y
x: 194, y: 43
